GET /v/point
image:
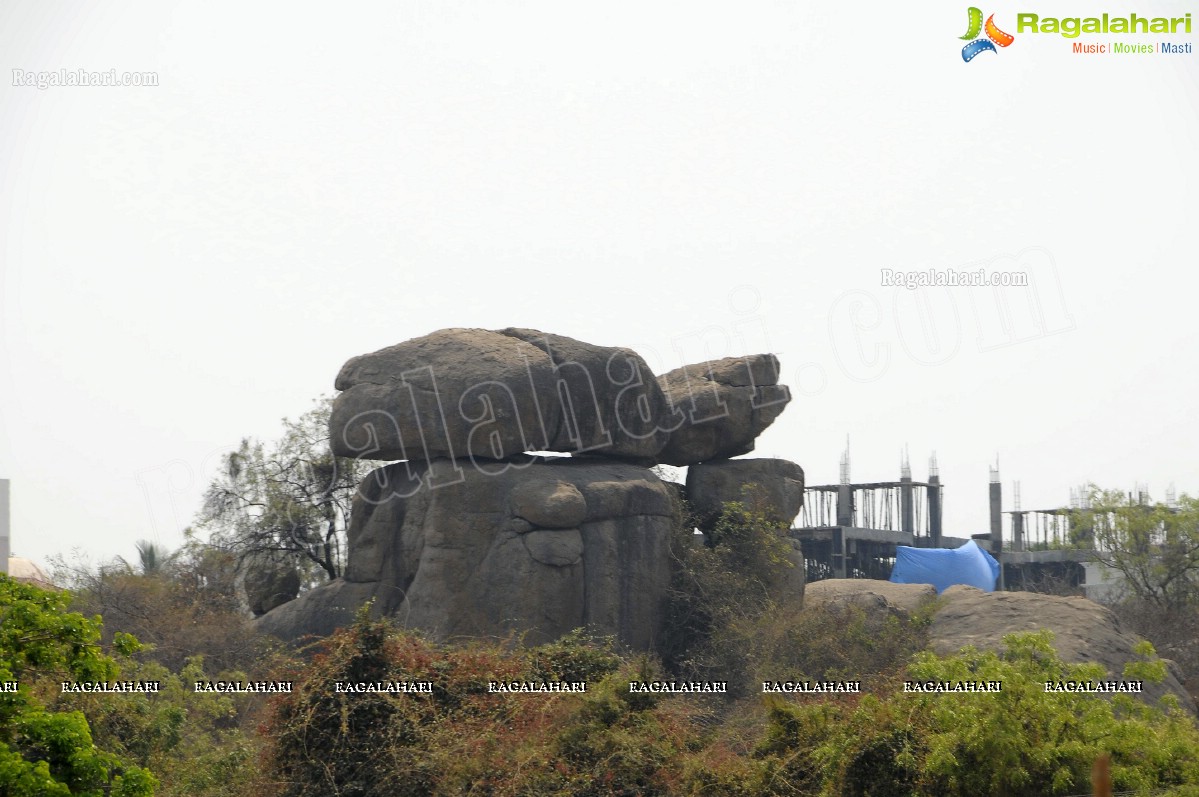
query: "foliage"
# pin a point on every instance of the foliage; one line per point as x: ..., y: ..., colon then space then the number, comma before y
x: 46, y: 752
x: 185, y: 610
x: 196, y: 743
x: 1154, y: 547
x: 459, y: 738
x: 1020, y: 741
x: 722, y: 585
x: 1173, y: 632
x: 151, y: 557
x: 291, y: 498
x: 185, y: 606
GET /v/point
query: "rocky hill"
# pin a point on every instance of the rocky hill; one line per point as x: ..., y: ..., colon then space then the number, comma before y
x: 1084, y: 632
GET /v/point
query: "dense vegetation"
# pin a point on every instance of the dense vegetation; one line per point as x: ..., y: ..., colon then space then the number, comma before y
x: 458, y: 738
x: 47, y: 749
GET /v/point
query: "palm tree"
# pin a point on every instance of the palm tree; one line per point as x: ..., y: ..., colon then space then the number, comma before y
x: 151, y: 557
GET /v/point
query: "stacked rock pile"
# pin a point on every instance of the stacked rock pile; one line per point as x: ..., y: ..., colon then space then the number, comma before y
x: 479, y: 530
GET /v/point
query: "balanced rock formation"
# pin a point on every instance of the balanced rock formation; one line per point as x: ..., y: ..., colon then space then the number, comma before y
x: 538, y: 547
x: 471, y: 536
x: 479, y: 394
x: 775, y: 485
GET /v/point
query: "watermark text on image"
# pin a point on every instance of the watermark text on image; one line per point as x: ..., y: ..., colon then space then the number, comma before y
x: 81, y: 78
x: 952, y: 278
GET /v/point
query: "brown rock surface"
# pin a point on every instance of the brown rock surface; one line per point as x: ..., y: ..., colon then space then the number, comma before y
x: 870, y: 594
x: 725, y: 404
x: 477, y: 393
x: 456, y: 561
x: 1084, y: 632
x: 615, y: 406
x: 453, y: 393
x: 779, y: 483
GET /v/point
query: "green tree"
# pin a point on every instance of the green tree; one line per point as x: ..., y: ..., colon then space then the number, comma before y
x: 291, y: 497
x: 1153, y: 546
x: 152, y: 558
x: 47, y: 753
x: 1020, y: 741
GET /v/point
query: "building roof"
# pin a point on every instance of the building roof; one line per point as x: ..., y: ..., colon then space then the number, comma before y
x: 26, y: 570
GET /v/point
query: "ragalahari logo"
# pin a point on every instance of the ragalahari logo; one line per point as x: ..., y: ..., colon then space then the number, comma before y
x: 984, y: 44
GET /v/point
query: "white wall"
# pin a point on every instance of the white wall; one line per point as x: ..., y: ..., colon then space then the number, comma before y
x: 1103, y: 585
x: 4, y: 526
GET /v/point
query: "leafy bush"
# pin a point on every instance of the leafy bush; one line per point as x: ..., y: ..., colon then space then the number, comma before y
x: 46, y: 752
x: 196, y: 744
x: 726, y: 619
x: 721, y: 588
x: 1020, y: 741
x: 187, y: 606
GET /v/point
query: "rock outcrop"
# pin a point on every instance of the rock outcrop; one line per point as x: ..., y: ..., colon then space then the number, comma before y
x: 613, y: 404
x: 774, y: 485
x: 269, y: 581
x: 725, y: 403
x: 538, y: 549
x: 1084, y: 632
x: 870, y: 594
x: 470, y: 535
x: 481, y: 394
x: 455, y: 393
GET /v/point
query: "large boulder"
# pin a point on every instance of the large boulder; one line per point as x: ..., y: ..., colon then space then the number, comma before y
x: 536, y: 547
x: 480, y: 394
x: 773, y: 486
x: 870, y: 594
x: 1084, y: 632
x: 610, y: 401
x: 318, y: 612
x: 453, y: 393
x: 725, y: 405
x: 475, y: 393
x: 269, y: 581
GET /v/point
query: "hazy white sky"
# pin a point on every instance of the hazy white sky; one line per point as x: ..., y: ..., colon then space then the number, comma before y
x: 186, y: 264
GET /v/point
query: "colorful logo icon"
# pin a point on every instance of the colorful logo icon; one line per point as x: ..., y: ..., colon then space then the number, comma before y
x: 981, y: 45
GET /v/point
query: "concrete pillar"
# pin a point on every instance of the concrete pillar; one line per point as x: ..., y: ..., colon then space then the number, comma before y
x: 844, y: 505
x: 996, y: 501
x: 934, y: 509
x: 1018, y: 531
x: 907, y: 509
x: 840, y: 570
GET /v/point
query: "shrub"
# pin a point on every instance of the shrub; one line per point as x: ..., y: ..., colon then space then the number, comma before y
x: 459, y: 738
x: 1020, y: 741
x: 720, y: 589
x: 46, y: 752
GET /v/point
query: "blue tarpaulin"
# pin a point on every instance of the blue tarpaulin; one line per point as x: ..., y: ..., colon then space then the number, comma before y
x: 944, y: 567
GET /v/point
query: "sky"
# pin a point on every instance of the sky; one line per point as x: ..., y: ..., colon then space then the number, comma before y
x: 185, y: 264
